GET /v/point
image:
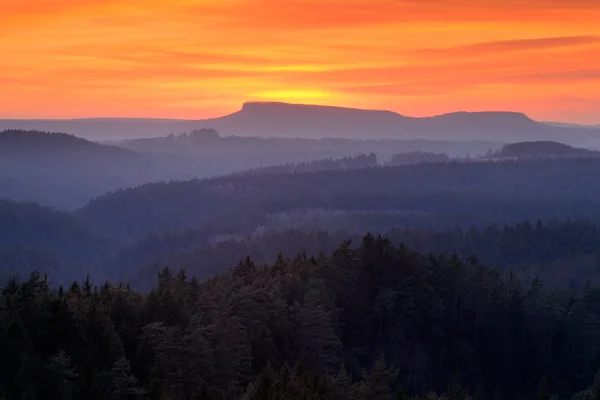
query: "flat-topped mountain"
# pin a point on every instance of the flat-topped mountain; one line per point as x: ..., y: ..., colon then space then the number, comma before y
x: 296, y: 120
x: 274, y: 119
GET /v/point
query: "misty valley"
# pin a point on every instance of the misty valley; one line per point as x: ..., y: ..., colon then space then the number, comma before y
x: 300, y: 252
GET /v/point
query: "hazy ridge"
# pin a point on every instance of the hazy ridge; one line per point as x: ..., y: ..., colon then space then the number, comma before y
x: 270, y: 119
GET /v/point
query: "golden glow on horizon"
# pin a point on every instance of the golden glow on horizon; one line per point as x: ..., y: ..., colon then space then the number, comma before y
x: 203, y: 58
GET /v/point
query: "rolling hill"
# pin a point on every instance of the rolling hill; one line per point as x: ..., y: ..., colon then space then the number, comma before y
x: 65, y: 171
x: 544, y: 149
x: 435, y: 194
x: 53, y: 242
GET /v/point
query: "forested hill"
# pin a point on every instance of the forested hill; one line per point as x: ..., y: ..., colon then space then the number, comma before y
x: 544, y: 149
x: 375, y: 322
x: 18, y: 143
x: 46, y: 229
x: 427, y: 194
x: 358, y: 162
x: 59, y: 244
x: 563, y: 253
x: 65, y: 171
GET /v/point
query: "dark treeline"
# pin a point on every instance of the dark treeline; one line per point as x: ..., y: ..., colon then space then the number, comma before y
x: 375, y: 322
x: 417, y: 157
x: 564, y: 254
x: 356, y: 162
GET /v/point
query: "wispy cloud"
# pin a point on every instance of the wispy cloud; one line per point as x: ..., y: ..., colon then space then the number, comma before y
x: 513, y: 45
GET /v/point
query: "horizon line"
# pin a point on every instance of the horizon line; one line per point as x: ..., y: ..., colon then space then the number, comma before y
x: 273, y: 102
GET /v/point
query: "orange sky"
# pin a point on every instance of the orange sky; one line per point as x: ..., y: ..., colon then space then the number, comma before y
x: 202, y: 58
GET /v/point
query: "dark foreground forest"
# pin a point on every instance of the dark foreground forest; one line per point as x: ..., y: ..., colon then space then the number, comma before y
x: 374, y: 321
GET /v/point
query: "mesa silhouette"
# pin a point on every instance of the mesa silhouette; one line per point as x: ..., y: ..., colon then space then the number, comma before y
x: 274, y: 119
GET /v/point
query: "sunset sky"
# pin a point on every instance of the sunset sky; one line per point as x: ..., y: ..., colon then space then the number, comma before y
x: 203, y: 58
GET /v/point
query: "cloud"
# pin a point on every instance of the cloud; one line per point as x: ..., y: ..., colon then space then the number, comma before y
x: 478, y: 49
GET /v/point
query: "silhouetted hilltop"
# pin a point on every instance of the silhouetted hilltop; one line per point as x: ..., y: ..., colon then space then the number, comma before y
x: 297, y: 120
x: 544, y: 149
x: 275, y: 119
x: 482, y: 122
x: 13, y: 143
x: 104, y: 128
x: 64, y: 171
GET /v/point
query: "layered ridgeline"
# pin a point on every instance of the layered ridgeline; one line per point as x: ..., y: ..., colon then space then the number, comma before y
x: 250, y: 152
x: 66, y: 171
x: 66, y: 247
x: 150, y: 222
x: 375, y: 322
x: 310, y: 121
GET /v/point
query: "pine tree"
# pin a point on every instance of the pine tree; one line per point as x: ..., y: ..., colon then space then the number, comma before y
x: 318, y: 342
x: 456, y: 390
x: 594, y: 390
x: 344, y: 389
x: 543, y: 392
x: 260, y: 389
x: 60, y: 377
x: 498, y: 394
x: 377, y: 385
x: 124, y: 384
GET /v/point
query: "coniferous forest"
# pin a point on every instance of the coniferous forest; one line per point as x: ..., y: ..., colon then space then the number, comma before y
x: 479, y: 280
x: 373, y: 321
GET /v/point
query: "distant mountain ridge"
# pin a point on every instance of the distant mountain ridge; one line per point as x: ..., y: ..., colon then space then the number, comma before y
x: 570, y: 125
x: 276, y: 119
